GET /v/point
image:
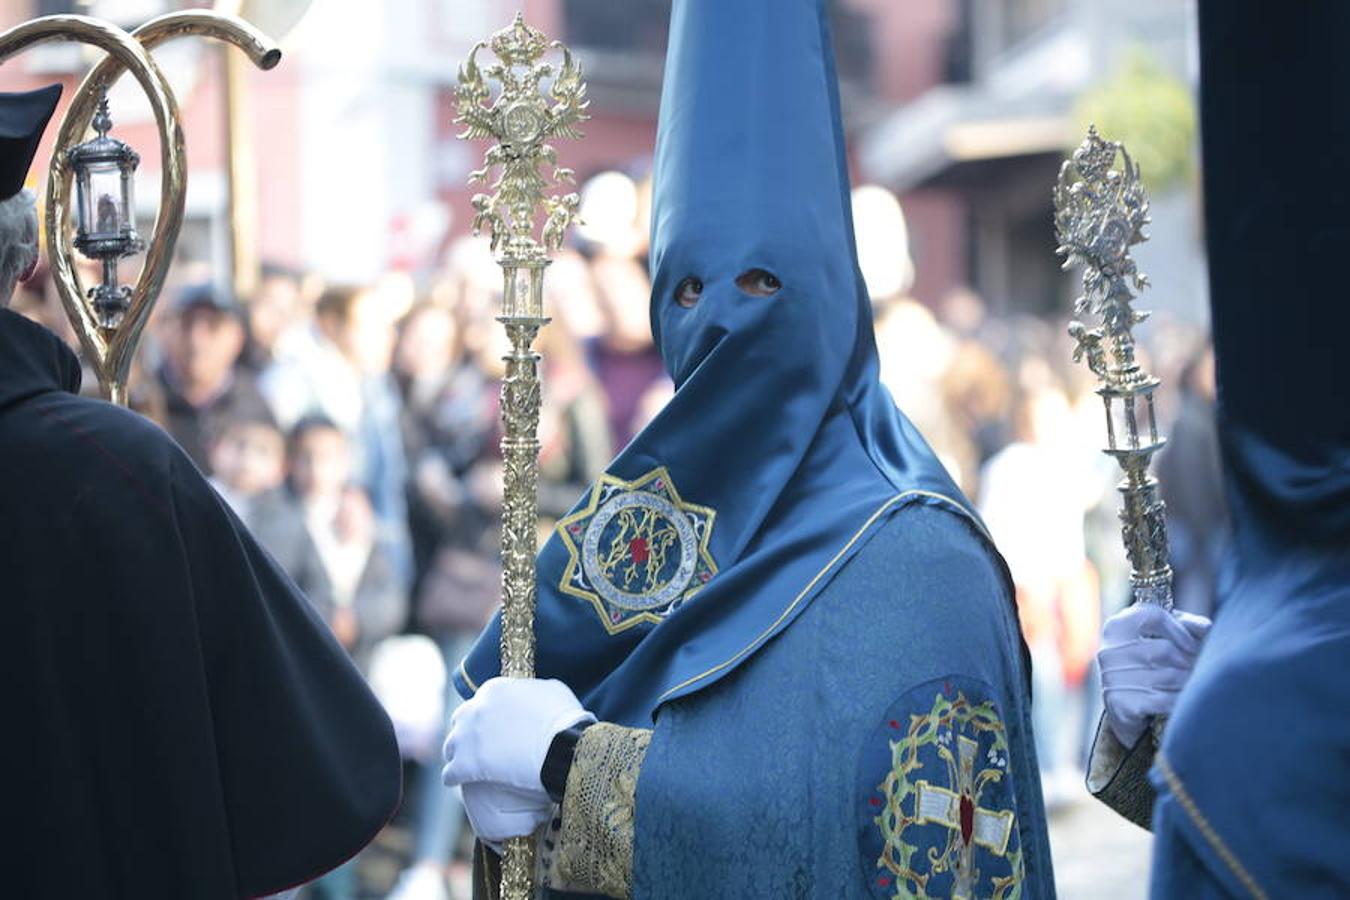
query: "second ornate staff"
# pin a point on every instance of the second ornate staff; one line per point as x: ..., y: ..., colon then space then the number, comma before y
x: 1100, y: 213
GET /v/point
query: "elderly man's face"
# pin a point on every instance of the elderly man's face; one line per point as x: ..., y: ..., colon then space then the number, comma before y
x: 205, y: 346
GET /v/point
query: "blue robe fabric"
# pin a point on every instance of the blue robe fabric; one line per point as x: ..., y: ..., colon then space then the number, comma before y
x: 1253, y: 775
x: 766, y: 785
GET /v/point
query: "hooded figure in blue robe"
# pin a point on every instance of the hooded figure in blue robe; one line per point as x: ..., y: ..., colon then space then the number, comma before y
x: 798, y: 641
x: 1252, y: 778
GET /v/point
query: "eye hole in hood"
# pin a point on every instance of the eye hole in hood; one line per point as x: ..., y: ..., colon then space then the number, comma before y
x: 688, y: 292
x: 759, y: 282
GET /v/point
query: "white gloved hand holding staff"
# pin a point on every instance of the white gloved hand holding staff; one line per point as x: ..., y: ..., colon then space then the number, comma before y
x: 496, y: 748
x: 1146, y: 655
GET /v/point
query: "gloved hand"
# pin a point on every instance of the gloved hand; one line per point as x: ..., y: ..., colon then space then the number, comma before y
x: 1145, y: 658
x: 502, y: 734
x: 498, y: 812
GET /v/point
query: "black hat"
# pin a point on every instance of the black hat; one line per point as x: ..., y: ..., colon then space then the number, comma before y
x: 207, y: 296
x: 23, y: 116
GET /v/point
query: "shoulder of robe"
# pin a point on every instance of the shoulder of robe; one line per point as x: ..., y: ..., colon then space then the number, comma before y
x: 103, y: 438
x: 110, y: 459
x: 938, y: 542
x: 936, y: 804
x: 930, y: 571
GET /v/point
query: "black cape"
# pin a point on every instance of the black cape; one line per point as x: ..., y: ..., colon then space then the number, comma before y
x: 178, y: 721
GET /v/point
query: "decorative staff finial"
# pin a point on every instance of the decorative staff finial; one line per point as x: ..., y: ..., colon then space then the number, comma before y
x: 102, y: 117
x: 521, y: 120
x: 1100, y: 213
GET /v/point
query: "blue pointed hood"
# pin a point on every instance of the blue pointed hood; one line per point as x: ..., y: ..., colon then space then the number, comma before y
x: 780, y: 452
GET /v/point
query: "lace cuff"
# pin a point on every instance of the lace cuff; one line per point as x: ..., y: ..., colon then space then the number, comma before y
x: 592, y: 843
x: 1118, y: 775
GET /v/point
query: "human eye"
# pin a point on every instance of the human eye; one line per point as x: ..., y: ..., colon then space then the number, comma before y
x: 688, y: 292
x: 759, y: 283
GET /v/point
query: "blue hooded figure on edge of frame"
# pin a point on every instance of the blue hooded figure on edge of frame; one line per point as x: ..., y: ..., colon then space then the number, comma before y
x: 777, y: 575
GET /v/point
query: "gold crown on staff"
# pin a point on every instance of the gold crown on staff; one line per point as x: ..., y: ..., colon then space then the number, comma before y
x: 521, y: 120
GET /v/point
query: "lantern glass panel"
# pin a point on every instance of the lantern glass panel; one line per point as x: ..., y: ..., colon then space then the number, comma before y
x: 523, y: 292
x: 1122, y: 423
x: 514, y: 288
x: 537, y: 292
x: 104, y: 213
x: 129, y: 198
x: 83, y: 209
x: 1148, y: 420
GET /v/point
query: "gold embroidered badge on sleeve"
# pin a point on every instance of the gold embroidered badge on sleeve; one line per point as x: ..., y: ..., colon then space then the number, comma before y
x: 932, y: 826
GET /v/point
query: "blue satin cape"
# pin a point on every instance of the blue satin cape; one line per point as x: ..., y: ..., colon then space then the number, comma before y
x: 780, y: 441
x: 1254, y: 771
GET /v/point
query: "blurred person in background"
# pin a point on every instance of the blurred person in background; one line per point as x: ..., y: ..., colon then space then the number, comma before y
x: 450, y: 407
x: 1191, y: 480
x: 248, y: 459
x: 446, y: 420
x: 179, y: 721
x: 343, y: 375
x: 275, y: 310
x: 203, y: 384
x: 624, y: 357
x: 1033, y: 496
x: 962, y: 310
x: 368, y: 601
x: 570, y: 295
x: 915, y: 352
x: 574, y: 428
x: 977, y: 399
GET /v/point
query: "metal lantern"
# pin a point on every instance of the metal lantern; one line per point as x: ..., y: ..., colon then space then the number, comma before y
x: 1131, y: 425
x: 105, y: 170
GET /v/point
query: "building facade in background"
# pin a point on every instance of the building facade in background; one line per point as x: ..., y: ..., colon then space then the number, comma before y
x: 961, y: 107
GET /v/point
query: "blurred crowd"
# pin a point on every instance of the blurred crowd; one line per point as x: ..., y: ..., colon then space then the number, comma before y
x: 354, y: 429
x: 1020, y: 427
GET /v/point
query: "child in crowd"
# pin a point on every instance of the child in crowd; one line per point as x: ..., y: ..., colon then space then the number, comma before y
x: 248, y: 457
x: 367, y: 602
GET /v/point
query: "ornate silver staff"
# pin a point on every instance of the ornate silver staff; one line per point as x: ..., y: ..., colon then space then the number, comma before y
x: 521, y: 120
x: 1100, y: 213
x: 109, y: 318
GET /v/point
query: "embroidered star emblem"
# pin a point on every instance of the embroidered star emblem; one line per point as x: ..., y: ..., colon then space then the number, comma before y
x: 636, y: 550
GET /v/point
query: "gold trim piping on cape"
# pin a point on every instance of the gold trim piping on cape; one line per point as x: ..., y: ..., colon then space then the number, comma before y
x: 464, y: 673
x: 818, y: 576
x: 871, y: 520
x: 1207, y: 830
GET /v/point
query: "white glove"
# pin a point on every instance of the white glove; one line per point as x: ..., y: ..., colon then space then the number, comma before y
x: 1145, y: 658
x: 498, y: 812
x: 502, y: 734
